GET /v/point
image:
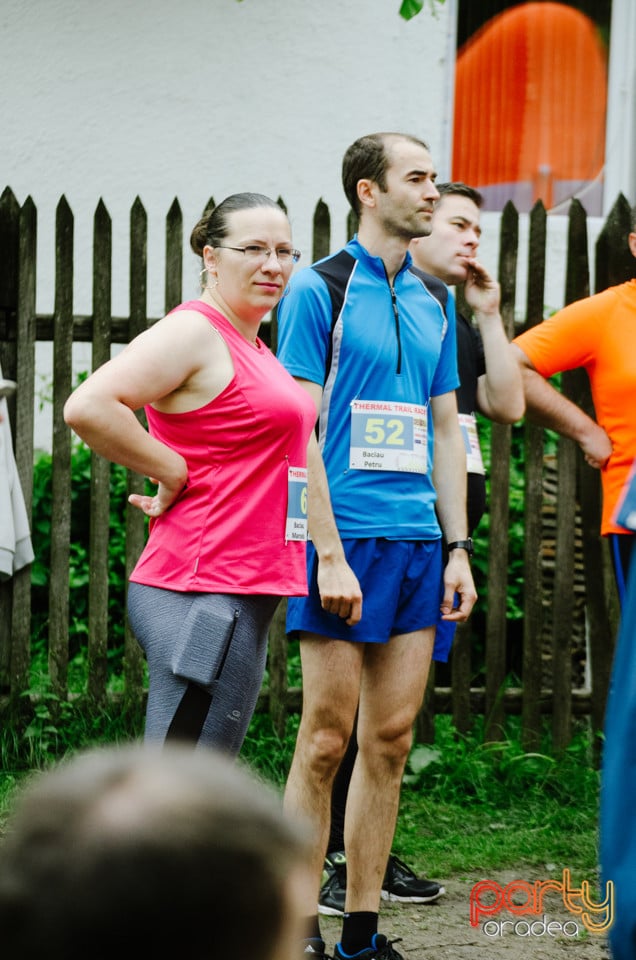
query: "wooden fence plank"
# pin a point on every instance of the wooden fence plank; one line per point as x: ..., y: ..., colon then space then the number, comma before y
x: 277, y: 669
x: 576, y: 287
x: 500, y: 439
x: 135, y: 520
x: 174, y: 257
x: 9, y: 247
x: 461, y: 673
x: 533, y: 499
x: 563, y: 596
x: 614, y: 262
x: 61, y: 447
x: 98, y: 620
x: 25, y: 376
x: 322, y: 232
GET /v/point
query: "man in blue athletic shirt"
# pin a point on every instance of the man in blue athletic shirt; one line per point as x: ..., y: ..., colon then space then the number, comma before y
x: 376, y: 349
x: 490, y: 382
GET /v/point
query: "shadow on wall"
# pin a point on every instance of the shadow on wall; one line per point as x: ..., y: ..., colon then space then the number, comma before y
x: 530, y: 105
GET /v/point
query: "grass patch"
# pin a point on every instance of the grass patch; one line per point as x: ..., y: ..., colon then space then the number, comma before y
x: 441, y: 839
x: 472, y: 807
x: 466, y: 807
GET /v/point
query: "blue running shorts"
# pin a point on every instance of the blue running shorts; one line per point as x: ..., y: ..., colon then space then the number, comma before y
x: 444, y: 636
x: 401, y: 583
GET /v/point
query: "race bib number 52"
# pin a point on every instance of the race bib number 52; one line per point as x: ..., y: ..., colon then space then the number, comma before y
x: 387, y: 435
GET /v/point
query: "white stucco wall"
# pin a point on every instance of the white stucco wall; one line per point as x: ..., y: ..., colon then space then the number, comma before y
x: 117, y: 99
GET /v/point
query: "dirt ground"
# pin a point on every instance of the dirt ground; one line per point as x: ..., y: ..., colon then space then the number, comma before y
x: 442, y: 930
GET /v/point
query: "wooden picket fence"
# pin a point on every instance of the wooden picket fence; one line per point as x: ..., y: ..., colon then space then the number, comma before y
x: 567, y: 581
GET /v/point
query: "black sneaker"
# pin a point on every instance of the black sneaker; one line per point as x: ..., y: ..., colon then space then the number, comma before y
x: 314, y: 949
x: 334, y: 882
x: 403, y: 885
x: 380, y: 949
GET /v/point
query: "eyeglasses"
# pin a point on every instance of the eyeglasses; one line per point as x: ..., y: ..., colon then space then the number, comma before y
x: 257, y: 253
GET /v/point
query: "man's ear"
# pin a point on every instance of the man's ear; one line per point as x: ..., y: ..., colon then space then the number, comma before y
x: 632, y: 243
x: 366, y: 192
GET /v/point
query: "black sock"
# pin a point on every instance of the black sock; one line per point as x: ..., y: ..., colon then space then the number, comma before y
x: 358, y: 928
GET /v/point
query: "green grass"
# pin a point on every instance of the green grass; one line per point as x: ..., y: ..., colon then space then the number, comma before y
x: 476, y: 808
x: 441, y: 839
x: 470, y: 806
x: 466, y: 807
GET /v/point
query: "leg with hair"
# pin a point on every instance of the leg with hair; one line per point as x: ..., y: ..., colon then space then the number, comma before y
x: 393, y: 683
x: 331, y: 672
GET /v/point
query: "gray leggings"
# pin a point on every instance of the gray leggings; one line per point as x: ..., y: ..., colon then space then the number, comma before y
x: 206, y: 656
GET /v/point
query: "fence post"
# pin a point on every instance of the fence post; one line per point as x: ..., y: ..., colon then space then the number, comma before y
x: 24, y: 421
x: 100, y: 468
x: 577, y: 287
x: 322, y: 232
x: 277, y: 667
x: 614, y: 261
x: 174, y: 256
x: 496, y: 624
x: 533, y: 460
x: 59, y: 604
x: 135, y: 519
x: 9, y: 247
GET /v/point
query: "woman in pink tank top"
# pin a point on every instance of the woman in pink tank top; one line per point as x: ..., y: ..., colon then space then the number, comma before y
x: 226, y: 446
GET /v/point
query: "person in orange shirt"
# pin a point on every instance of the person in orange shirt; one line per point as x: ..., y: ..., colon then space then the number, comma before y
x: 599, y: 334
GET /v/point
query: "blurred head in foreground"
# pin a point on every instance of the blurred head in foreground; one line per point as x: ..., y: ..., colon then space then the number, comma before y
x: 168, y: 852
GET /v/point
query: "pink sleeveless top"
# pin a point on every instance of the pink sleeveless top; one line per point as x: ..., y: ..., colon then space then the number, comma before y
x: 229, y: 531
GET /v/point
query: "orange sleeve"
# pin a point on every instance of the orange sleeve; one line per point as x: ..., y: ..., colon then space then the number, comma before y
x: 569, y: 338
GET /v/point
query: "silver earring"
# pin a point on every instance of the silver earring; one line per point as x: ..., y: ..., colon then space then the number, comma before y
x: 204, y: 278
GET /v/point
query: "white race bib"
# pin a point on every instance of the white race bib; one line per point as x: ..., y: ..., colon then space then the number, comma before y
x: 388, y: 435
x: 468, y: 425
x: 296, y: 526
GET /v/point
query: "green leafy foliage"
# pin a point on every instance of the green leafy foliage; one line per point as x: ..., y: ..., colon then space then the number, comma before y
x: 515, y: 526
x: 78, y: 560
x: 410, y: 8
x: 469, y: 769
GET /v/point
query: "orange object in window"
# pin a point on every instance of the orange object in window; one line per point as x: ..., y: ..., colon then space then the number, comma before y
x: 530, y: 104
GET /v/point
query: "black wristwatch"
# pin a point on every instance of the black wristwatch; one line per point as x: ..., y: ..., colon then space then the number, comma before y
x: 466, y: 545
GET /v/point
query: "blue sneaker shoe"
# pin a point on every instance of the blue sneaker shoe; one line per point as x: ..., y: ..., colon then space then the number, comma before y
x: 380, y: 949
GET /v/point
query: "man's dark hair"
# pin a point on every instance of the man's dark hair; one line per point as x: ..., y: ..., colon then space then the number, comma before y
x: 368, y: 158
x: 459, y: 189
